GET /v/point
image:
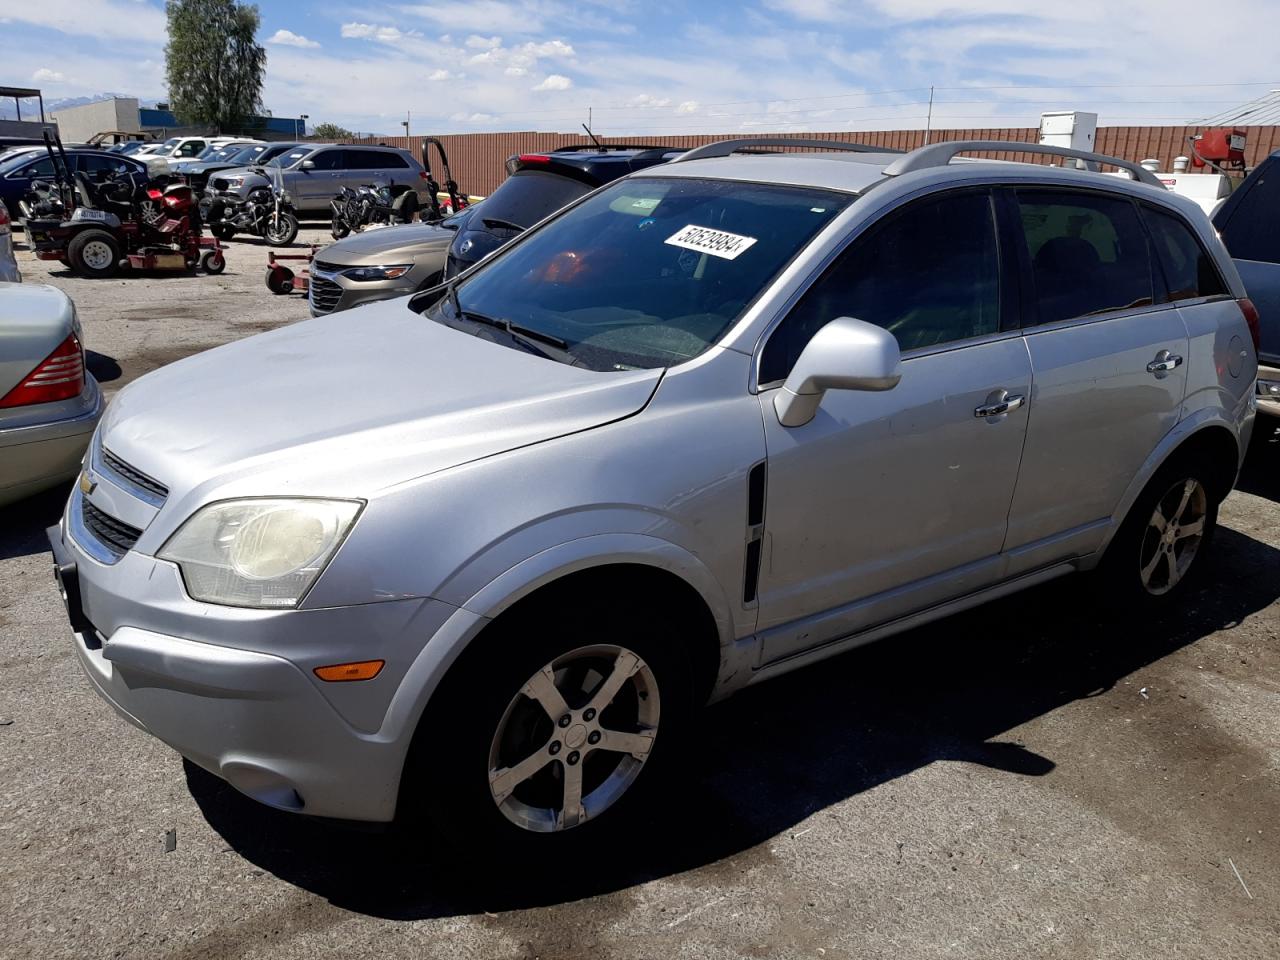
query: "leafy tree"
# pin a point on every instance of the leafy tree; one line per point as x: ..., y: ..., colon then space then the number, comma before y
x: 213, y: 63
x: 331, y: 131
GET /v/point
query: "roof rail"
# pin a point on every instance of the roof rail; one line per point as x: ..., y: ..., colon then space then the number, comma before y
x: 940, y: 154
x: 724, y: 148
x: 605, y: 147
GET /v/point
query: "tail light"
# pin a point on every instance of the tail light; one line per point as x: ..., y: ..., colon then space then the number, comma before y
x: 154, y: 194
x: 4, y: 219
x: 534, y: 158
x: 1251, y: 318
x: 422, y: 175
x: 60, y: 376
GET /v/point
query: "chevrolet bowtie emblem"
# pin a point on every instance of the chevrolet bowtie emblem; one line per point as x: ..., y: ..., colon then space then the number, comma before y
x: 87, y: 483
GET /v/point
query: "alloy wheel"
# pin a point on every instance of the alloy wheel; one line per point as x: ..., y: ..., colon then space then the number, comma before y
x: 574, y: 739
x: 1173, y: 536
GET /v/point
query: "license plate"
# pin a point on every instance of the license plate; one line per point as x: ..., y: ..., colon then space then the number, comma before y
x: 84, y: 213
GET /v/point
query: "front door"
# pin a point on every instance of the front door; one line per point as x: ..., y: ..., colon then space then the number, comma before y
x: 886, y: 503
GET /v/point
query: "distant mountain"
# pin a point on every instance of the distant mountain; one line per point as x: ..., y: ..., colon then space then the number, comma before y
x: 31, y: 107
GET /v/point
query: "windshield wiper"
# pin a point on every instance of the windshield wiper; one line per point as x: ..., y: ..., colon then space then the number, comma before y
x: 527, y: 337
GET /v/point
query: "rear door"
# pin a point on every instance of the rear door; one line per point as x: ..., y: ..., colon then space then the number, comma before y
x: 1249, y: 224
x: 1109, y: 359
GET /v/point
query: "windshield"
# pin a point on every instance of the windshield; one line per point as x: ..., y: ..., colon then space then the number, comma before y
x: 289, y: 159
x: 243, y: 154
x: 647, y: 272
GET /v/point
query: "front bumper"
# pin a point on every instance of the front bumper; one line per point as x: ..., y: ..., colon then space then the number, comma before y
x: 197, y: 677
x: 329, y: 292
x: 1269, y: 389
x: 43, y: 455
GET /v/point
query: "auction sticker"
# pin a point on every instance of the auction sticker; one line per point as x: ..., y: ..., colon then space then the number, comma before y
x: 718, y: 243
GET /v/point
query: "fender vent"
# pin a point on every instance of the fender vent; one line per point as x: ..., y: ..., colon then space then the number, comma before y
x: 755, y: 531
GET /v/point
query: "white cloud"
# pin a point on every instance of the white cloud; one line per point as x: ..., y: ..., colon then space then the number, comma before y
x: 646, y: 100
x: 482, y: 43
x: 442, y: 75
x: 371, y: 31
x: 101, y: 19
x: 823, y: 11
x: 555, y: 81
x: 288, y: 38
x: 556, y: 49
x: 515, y: 71
x: 45, y: 75
x: 688, y: 106
x: 481, y: 15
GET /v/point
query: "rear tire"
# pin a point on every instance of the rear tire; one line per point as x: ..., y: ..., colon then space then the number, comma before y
x: 493, y: 715
x: 212, y: 261
x: 1160, y: 550
x: 339, y: 228
x: 94, y: 254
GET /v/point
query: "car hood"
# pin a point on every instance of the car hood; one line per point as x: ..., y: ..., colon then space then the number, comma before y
x: 343, y: 407
x: 389, y: 245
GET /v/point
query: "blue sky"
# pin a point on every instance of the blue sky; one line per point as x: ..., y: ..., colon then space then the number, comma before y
x: 659, y: 67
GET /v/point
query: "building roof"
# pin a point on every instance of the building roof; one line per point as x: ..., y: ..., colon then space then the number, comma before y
x: 1259, y: 111
x: 19, y: 92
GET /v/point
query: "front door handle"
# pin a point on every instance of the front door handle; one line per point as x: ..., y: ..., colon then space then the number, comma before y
x: 997, y: 408
x: 1163, y: 363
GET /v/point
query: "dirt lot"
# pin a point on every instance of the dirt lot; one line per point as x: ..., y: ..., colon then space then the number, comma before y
x: 1026, y: 780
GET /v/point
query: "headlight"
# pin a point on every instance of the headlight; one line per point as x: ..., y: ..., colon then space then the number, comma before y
x: 235, y: 181
x: 377, y: 273
x: 258, y: 553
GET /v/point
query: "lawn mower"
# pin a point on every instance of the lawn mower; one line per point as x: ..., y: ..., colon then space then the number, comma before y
x: 118, y: 221
x: 437, y: 210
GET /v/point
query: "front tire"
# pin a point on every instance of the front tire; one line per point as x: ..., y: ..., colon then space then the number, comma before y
x: 280, y: 231
x: 338, y: 227
x: 551, y: 731
x: 94, y: 254
x: 1160, y: 550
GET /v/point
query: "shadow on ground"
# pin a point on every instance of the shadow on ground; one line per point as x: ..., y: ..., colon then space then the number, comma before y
x: 774, y: 755
x: 22, y: 524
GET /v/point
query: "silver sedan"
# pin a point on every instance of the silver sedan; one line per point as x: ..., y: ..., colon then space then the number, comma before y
x: 49, y: 403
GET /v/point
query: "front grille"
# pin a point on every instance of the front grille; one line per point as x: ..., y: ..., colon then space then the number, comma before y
x: 135, y: 477
x: 324, y: 294
x: 116, y: 536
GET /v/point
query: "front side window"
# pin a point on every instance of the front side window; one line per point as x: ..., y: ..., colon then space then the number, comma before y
x: 1188, y: 270
x: 41, y: 168
x: 1088, y: 254
x: 929, y: 274
x: 647, y: 272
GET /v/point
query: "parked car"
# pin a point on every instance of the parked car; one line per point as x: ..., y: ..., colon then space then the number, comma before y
x: 215, y: 151
x: 9, y: 272
x: 17, y: 173
x: 314, y: 172
x: 715, y: 421
x: 381, y: 264
x: 1249, y: 224
x: 246, y: 155
x: 539, y: 184
x: 49, y: 403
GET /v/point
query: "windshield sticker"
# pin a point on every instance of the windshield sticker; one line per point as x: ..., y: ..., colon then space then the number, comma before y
x: 718, y: 243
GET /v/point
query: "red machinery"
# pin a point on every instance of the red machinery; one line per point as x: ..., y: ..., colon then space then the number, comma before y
x: 1219, y: 147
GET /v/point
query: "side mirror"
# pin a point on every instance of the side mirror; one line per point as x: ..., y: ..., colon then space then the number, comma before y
x: 307, y: 165
x: 846, y: 354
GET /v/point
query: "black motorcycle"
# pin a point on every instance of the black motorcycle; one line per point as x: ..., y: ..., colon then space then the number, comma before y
x: 266, y: 212
x: 43, y: 200
x: 259, y: 214
x: 371, y: 203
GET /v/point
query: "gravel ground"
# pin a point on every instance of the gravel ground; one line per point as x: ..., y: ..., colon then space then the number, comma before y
x: 1025, y: 780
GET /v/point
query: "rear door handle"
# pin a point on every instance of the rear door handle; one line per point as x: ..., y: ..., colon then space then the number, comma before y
x: 1007, y: 404
x: 1163, y: 363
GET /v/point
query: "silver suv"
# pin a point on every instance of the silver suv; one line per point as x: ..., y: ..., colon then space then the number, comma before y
x: 479, y: 556
x: 312, y: 174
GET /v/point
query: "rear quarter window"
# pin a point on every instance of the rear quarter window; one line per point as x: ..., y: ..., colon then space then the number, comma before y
x: 1189, y: 271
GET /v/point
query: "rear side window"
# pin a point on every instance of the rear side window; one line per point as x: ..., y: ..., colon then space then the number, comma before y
x: 528, y: 196
x: 1088, y: 254
x: 1188, y: 270
x: 929, y: 275
x: 41, y: 168
x: 1251, y: 232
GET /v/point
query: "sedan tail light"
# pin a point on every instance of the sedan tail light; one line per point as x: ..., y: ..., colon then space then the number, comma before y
x: 60, y: 376
x: 1251, y: 318
x: 4, y: 219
